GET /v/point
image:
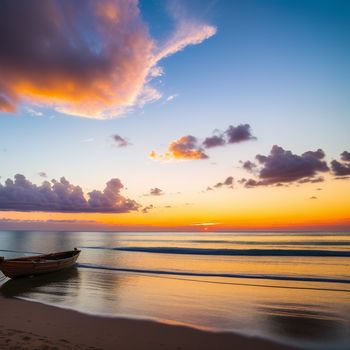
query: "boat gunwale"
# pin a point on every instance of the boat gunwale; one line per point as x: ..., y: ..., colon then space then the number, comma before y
x: 37, y: 259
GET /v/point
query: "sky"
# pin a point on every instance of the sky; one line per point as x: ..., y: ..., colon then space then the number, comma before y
x: 175, y: 115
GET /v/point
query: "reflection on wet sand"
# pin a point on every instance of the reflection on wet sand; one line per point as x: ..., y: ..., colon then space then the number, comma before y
x: 82, y: 290
x: 57, y: 284
x: 308, y: 326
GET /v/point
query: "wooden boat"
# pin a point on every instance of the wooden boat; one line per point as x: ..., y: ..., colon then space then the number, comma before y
x: 39, y: 264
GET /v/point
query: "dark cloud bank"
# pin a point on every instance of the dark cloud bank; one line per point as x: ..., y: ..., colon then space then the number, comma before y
x: 342, y: 168
x: 62, y: 196
x: 282, y: 167
x: 233, y: 134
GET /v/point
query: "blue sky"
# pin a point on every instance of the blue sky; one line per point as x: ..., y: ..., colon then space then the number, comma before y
x: 280, y: 66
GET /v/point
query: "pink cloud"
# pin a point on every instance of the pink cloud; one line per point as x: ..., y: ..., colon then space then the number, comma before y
x: 95, y: 60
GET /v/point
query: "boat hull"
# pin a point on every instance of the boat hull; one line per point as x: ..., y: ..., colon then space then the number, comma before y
x: 38, y: 265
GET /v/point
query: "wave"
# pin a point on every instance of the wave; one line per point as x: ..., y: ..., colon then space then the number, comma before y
x: 239, y: 242
x: 222, y: 275
x: 231, y: 252
x: 302, y: 243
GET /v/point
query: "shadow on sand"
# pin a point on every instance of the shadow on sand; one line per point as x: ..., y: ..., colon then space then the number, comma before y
x: 23, y: 286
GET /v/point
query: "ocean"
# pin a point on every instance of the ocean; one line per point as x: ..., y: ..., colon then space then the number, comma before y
x: 289, y: 287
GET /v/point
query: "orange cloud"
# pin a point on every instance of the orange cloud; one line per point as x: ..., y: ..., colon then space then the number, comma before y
x: 186, y: 147
x: 94, y: 62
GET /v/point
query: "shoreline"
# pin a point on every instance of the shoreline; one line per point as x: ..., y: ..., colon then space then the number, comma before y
x: 32, y: 325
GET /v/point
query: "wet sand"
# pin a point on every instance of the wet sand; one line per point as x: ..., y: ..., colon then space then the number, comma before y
x: 30, y: 325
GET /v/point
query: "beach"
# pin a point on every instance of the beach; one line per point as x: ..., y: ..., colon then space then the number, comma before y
x: 177, y: 284
x: 31, y: 325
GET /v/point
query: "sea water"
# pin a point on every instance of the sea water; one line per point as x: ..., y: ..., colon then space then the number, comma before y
x: 290, y: 287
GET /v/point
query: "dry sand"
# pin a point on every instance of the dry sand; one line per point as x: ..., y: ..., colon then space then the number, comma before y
x: 29, y: 325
